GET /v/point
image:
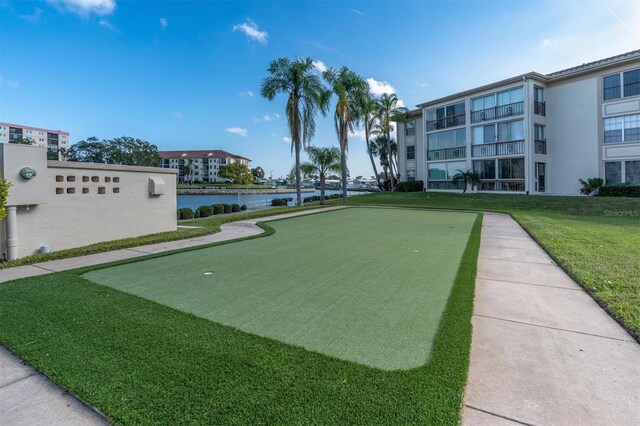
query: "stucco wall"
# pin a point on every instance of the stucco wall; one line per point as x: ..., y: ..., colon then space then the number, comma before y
x: 89, y: 203
x: 572, y: 134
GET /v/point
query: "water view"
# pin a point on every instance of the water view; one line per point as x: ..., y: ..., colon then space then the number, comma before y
x: 249, y: 199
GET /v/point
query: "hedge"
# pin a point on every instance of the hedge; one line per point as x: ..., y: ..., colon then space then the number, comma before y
x: 235, y: 208
x: 204, y: 211
x: 185, y: 213
x: 620, y: 190
x: 276, y: 202
x: 410, y: 186
x: 218, y: 209
x: 227, y: 208
x: 243, y: 207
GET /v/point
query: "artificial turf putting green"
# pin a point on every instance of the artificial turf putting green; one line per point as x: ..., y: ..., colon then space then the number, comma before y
x: 362, y: 285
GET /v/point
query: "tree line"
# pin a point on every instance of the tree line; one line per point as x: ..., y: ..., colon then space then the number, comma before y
x: 308, y: 95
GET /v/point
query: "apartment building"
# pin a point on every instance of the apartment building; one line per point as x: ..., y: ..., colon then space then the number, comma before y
x: 52, y: 139
x: 205, y: 165
x: 533, y: 133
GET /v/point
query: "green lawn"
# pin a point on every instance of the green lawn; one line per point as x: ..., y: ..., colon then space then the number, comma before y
x: 321, y: 282
x: 595, y: 239
x: 140, y: 361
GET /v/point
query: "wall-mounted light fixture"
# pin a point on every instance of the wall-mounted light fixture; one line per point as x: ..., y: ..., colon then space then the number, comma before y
x: 28, y: 173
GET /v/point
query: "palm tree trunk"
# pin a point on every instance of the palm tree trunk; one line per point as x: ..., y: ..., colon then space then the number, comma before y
x: 373, y: 163
x: 298, y: 192
x: 343, y: 165
x: 322, y: 186
x: 390, y: 160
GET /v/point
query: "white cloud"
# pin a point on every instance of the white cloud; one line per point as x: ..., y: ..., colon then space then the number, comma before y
x: 11, y: 84
x: 423, y: 85
x: 320, y: 66
x: 359, y: 133
x: 248, y: 93
x: 251, y: 30
x: 274, y: 135
x: 85, y: 7
x: 177, y: 114
x: 266, y: 117
x: 548, y: 42
x: 106, y: 24
x: 380, y: 87
x: 286, y: 139
x: 237, y: 131
x: 34, y: 17
x: 357, y: 12
x: 164, y: 23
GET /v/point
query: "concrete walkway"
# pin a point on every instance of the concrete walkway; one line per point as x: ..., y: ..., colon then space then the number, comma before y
x: 27, y: 397
x: 543, y: 352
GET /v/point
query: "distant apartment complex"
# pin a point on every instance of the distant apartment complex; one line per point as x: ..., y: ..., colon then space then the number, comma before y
x: 52, y: 139
x: 204, y: 164
x: 533, y: 133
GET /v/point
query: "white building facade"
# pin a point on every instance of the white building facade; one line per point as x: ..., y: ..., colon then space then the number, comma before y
x: 52, y: 139
x: 533, y: 133
x: 205, y: 165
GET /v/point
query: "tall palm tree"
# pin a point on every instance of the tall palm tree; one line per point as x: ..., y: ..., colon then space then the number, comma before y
x: 322, y: 161
x: 348, y: 87
x: 380, y: 148
x: 388, y: 114
x: 187, y: 172
x: 306, y: 97
x: 368, y: 110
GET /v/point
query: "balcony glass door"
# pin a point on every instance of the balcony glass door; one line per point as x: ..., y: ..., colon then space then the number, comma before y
x: 541, y: 177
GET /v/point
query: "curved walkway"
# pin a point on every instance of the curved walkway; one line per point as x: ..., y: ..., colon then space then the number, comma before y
x: 543, y: 352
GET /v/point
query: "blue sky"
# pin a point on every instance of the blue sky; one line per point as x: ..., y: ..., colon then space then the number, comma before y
x: 187, y: 74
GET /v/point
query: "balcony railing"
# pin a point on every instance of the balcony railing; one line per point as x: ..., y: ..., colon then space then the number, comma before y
x: 540, y: 146
x: 444, y: 185
x: 447, y: 153
x: 503, y: 185
x: 497, y: 112
x: 540, y: 108
x: 443, y: 123
x: 497, y: 148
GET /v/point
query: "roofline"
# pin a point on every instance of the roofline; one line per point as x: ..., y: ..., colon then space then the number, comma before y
x: 39, y: 129
x: 591, y: 68
x: 515, y: 79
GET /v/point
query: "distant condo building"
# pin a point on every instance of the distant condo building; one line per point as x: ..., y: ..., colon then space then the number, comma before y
x: 205, y: 165
x: 532, y: 133
x: 52, y: 139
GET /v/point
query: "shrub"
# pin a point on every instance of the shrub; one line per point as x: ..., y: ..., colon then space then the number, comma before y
x: 218, y: 209
x: 243, y: 207
x: 410, y: 186
x: 204, y: 211
x: 590, y: 185
x: 620, y: 190
x: 279, y: 202
x: 4, y: 194
x: 227, y: 208
x: 235, y: 208
x: 185, y: 213
x: 288, y: 199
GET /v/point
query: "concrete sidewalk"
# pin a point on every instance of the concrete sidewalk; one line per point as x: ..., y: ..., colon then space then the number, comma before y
x: 27, y: 397
x: 543, y: 352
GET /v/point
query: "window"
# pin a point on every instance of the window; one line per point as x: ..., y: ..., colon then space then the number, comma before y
x: 411, y: 175
x: 411, y: 152
x: 410, y: 130
x: 631, y: 83
x: 632, y: 172
x: 511, y: 168
x: 538, y: 94
x: 538, y: 131
x: 612, y: 172
x: 622, y: 129
x: 447, y: 116
x: 486, y: 169
x: 448, y: 139
x: 500, y: 132
x: 611, y: 87
x: 445, y: 171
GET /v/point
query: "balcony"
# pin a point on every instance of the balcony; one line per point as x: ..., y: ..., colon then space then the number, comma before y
x: 502, y: 185
x: 540, y: 146
x: 447, y: 153
x: 540, y: 108
x: 444, y: 185
x: 497, y: 149
x: 497, y: 112
x: 446, y: 122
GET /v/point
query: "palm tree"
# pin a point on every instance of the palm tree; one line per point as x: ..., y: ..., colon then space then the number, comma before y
x: 388, y: 114
x: 469, y: 178
x: 379, y: 148
x: 187, y: 172
x: 306, y: 97
x: 348, y: 87
x: 368, y: 110
x: 322, y: 161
